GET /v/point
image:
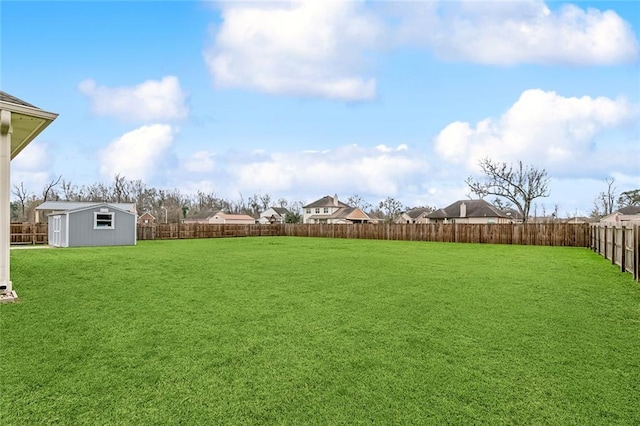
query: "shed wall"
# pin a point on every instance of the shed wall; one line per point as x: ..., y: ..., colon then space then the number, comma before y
x: 82, y: 233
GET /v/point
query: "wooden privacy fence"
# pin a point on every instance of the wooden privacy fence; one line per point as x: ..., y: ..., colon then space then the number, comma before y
x: 171, y: 231
x: 620, y: 244
x: 548, y: 234
x: 28, y: 233
x: 551, y: 234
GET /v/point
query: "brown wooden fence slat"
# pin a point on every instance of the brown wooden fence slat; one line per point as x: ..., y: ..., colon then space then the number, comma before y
x: 619, y: 244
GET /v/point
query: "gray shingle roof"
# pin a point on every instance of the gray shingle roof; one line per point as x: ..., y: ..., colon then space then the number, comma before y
x: 475, y: 208
x: 326, y: 201
x: 630, y: 210
x: 415, y: 213
x: 5, y: 97
x: 281, y: 211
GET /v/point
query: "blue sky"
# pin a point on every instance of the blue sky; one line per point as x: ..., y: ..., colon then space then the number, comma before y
x: 301, y: 99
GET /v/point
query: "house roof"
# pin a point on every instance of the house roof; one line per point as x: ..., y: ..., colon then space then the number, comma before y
x: 235, y: 216
x: 205, y: 214
x: 417, y: 212
x: 27, y: 121
x: 5, y: 97
x: 327, y: 201
x: 629, y: 210
x: 475, y: 208
x: 513, y: 213
x: 75, y: 205
x: 282, y: 211
x: 350, y: 213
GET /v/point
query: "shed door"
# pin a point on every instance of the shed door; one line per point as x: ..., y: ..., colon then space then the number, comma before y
x: 56, y: 231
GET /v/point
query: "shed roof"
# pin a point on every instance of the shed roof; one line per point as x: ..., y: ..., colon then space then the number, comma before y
x: 90, y: 206
x: 75, y: 205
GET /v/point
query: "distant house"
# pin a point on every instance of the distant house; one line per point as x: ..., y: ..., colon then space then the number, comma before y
x: 470, y: 211
x: 220, y: 217
x: 578, y: 220
x: 82, y: 224
x: 515, y: 215
x: 329, y: 209
x: 417, y: 215
x: 624, y: 215
x: 147, y: 219
x: 273, y: 215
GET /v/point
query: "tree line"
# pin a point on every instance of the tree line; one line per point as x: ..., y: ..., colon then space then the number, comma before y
x: 514, y: 186
x: 173, y: 205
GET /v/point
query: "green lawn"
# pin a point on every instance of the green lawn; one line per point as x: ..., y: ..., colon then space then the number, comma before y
x: 319, y: 331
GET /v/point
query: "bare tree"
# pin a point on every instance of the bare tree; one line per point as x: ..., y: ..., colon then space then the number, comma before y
x: 49, y: 191
x: 604, y: 203
x: 519, y: 184
x: 121, y: 189
x: 266, y: 201
x: 391, y: 208
x: 69, y: 191
x: 21, y: 194
x: 501, y: 204
x: 357, y: 201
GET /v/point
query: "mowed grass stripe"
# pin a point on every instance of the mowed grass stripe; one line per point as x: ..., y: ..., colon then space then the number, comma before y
x: 319, y: 331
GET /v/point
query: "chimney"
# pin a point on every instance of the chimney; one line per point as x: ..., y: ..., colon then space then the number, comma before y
x: 463, y: 210
x: 335, y: 200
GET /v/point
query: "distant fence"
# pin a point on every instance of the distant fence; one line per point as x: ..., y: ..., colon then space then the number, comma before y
x: 172, y: 231
x: 551, y: 234
x: 28, y: 233
x: 620, y: 244
x: 548, y: 234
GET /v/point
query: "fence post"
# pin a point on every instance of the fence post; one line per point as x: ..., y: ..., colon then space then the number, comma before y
x: 636, y: 251
x: 623, y: 250
x: 613, y: 245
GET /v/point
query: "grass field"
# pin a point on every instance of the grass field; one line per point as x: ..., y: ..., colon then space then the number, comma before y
x: 319, y: 331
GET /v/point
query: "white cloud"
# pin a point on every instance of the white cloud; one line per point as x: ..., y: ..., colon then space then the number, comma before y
x: 506, y: 32
x: 139, y: 154
x: 347, y: 169
x: 296, y: 47
x: 32, y: 167
x: 564, y: 135
x: 200, y: 162
x: 147, y: 101
x: 34, y: 156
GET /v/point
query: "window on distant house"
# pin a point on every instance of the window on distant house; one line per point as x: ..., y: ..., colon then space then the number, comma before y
x: 308, y: 211
x: 317, y: 210
x: 326, y: 209
x: 103, y: 220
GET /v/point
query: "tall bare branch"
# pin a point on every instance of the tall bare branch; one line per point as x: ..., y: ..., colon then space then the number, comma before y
x: 520, y: 184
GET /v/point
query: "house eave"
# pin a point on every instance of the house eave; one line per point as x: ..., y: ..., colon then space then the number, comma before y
x: 27, y: 123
